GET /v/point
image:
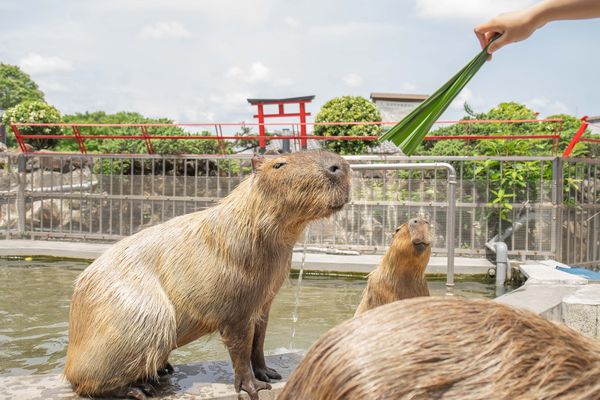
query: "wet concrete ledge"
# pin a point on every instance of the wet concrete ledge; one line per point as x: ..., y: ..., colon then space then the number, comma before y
x: 558, y: 296
x: 208, y: 380
x: 332, y: 263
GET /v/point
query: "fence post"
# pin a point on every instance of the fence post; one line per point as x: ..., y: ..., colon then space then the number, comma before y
x: 21, y: 169
x: 557, y: 203
x: 450, y: 222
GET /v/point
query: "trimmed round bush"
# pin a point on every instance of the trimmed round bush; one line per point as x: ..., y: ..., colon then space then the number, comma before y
x: 34, y: 111
x: 348, y: 109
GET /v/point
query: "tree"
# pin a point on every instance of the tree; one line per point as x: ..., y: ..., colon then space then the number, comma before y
x: 503, y: 111
x: 16, y: 86
x: 348, y: 109
x: 34, y: 111
x: 117, y: 146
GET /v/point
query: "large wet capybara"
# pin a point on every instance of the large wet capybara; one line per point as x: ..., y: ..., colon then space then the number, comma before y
x: 401, y: 273
x: 448, y: 348
x: 213, y: 270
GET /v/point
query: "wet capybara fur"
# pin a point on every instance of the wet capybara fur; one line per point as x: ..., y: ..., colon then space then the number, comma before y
x: 213, y: 270
x: 401, y: 273
x: 448, y: 348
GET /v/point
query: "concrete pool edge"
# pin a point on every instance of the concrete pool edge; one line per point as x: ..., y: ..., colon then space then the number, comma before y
x: 334, y: 263
x: 558, y: 296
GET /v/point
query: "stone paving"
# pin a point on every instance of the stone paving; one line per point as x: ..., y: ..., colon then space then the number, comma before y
x: 209, y: 380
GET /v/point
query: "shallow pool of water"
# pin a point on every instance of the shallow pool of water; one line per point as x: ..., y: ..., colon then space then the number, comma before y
x: 34, y: 308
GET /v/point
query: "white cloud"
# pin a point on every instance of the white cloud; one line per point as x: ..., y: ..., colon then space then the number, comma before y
x: 257, y: 72
x: 472, y: 10
x: 230, y: 100
x: 283, y: 82
x: 356, y: 28
x: 546, y: 106
x: 37, y: 64
x: 51, y: 86
x: 466, y: 96
x: 169, y: 29
x: 408, y: 87
x: 352, y: 80
x: 195, y: 115
x: 291, y: 22
x: 247, y: 11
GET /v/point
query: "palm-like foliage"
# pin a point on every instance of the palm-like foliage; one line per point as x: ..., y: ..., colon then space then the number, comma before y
x: 409, y: 133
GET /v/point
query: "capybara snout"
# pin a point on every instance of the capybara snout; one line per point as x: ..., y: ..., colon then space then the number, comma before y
x: 420, y: 233
x: 416, y: 231
x: 335, y: 167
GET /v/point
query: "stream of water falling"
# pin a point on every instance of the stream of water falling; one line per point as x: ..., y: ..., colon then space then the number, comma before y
x: 298, y: 291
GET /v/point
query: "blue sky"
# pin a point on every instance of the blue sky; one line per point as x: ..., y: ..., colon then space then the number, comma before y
x: 197, y: 61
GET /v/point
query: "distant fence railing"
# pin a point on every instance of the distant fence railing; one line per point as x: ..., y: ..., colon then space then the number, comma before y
x: 230, y: 131
x: 555, y: 201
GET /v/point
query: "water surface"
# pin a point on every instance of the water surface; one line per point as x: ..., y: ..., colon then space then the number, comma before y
x: 34, y: 308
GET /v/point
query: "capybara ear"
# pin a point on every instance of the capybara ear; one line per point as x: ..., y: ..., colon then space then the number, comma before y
x: 257, y: 161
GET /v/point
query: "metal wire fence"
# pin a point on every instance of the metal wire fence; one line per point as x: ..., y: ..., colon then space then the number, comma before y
x: 551, y: 206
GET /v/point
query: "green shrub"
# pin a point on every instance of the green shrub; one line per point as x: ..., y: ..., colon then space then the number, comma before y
x: 348, y: 109
x: 570, y: 126
x: 34, y: 111
x: 129, y: 146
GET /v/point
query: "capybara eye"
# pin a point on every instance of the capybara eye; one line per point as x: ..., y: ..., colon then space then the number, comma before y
x: 278, y: 165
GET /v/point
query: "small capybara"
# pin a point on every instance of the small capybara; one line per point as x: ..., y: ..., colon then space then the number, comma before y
x: 213, y: 270
x: 401, y: 273
x: 448, y: 348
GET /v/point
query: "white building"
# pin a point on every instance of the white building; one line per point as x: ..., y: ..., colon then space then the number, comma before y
x: 395, y: 106
x: 594, y: 124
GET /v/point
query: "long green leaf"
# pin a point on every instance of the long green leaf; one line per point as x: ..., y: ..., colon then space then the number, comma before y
x: 409, y: 133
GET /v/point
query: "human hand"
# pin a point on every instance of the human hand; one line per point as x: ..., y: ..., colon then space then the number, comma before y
x: 513, y: 26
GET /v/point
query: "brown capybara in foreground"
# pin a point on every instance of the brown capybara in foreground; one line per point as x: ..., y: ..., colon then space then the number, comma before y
x: 401, y: 273
x: 448, y: 348
x: 213, y: 270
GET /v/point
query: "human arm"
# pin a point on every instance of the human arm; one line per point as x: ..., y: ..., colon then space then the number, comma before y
x: 519, y: 25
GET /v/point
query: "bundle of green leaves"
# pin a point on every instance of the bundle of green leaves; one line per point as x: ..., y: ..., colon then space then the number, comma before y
x: 409, y: 133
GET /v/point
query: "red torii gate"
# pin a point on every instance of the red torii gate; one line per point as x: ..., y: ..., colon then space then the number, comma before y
x: 260, y: 103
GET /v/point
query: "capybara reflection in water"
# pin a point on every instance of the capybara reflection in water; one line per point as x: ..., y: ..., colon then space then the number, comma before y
x: 448, y: 348
x: 213, y: 270
x: 401, y: 273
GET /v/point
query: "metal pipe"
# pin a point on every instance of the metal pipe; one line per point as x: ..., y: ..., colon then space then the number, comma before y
x: 451, y: 202
x: 501, y: 250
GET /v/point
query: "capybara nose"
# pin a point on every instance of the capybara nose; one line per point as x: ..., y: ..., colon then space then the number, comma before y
x: 334, y: 170
x: 419, y: 221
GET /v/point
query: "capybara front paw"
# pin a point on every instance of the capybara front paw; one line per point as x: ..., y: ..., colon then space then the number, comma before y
x: 251, y: 386
x: 266, y: 374
x: 136, y: 393
x: 166, y: 370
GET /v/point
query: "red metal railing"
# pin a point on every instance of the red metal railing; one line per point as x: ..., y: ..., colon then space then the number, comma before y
x: 577, y: 137
x: 296, y: 132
